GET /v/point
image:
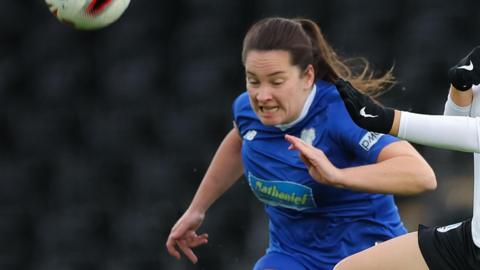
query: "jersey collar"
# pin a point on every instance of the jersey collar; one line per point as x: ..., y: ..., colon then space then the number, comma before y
x: 304, y: 112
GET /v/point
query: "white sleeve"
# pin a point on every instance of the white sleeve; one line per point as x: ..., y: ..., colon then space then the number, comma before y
x: 453, y: 109
x: 448, y: 132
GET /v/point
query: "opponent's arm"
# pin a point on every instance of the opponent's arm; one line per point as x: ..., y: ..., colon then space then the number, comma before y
x: 458, y: 102
x: 224, y: 170
x: 462, y: 76
x: 449, y: 132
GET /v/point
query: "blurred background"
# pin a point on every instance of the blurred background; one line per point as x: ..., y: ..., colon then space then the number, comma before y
x: 105, y: 135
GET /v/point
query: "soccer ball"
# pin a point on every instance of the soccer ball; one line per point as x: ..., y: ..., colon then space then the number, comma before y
x: 87, y: 14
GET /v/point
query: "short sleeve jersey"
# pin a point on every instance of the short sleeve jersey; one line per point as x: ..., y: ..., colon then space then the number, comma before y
x: 308, y: 219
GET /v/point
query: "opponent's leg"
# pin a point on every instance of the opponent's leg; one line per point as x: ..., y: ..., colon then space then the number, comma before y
x: 399, y: 253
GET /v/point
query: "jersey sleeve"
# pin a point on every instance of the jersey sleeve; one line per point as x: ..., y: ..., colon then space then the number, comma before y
x: 240, y: 111
x: 362, y: 143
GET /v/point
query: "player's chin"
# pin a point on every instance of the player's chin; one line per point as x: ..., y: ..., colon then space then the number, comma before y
x: 269, y: 121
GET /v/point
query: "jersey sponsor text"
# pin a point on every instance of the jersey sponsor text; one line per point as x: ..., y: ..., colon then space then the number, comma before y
x: 282, y: 193
x: 369, y: 140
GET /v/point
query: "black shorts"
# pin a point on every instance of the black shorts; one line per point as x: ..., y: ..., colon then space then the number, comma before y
x: 450, y: 247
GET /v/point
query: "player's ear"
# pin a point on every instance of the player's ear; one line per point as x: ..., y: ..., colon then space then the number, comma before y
x: 309, y: 76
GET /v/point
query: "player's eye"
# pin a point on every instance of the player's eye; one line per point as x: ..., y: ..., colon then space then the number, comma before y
x: 278, y: 82
x: 252, y: 81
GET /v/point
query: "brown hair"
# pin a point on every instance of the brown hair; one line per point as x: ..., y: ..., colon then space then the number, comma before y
x: 303, y: 39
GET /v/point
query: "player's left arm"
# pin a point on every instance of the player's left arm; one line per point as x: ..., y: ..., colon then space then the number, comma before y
x: 400, y: 169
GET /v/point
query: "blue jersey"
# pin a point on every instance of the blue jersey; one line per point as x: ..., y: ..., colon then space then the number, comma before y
x: 316, y: 224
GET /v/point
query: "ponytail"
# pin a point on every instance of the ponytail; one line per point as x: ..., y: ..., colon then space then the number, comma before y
x: 303, y: 39
x: 333, y: 67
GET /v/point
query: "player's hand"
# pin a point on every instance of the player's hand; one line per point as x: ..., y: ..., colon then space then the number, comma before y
x: 183, y: 235
x: 365, y: 111
x: 319, y: 167
x: 466, y: 72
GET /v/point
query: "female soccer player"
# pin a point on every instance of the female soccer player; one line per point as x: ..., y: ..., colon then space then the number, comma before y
x: 290, y: 70
x: 454, y: 246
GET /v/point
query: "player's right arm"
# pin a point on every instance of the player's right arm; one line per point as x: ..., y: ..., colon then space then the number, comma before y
x: 224, y: 170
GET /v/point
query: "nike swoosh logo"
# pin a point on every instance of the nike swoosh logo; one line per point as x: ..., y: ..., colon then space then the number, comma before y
x: 445, y: 229
x: 364, y: 114
x: 469, y: 67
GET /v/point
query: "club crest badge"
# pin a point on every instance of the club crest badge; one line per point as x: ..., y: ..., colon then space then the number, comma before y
x: 308, y: 135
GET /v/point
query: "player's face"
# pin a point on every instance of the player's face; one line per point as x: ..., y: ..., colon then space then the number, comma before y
x: 277, y: 89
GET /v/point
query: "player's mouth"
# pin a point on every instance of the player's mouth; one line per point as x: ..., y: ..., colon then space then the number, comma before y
x: 269, y: 109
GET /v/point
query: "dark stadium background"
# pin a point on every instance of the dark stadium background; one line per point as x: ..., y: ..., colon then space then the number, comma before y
x: 104, y: 136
